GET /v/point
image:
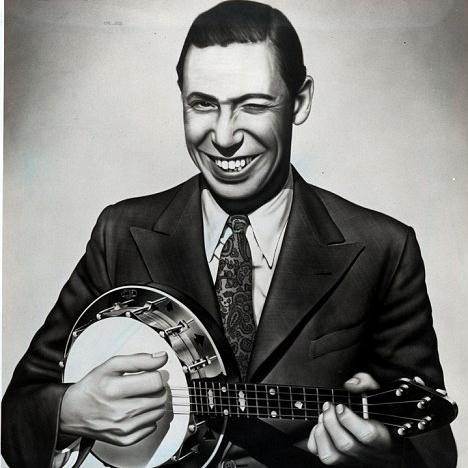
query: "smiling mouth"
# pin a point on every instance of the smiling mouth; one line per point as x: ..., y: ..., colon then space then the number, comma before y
x: 233, y: 165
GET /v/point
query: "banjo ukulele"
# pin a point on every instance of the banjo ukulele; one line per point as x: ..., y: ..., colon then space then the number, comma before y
x: 198, y: 378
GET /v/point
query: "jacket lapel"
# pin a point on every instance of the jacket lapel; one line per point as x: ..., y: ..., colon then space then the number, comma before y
x: 173, y: 251
x: 312, y: 261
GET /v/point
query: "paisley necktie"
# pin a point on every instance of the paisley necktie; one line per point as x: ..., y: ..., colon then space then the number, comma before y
x: 234, y: 291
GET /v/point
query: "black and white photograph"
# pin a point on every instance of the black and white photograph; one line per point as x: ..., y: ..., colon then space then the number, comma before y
x: 234, y: 234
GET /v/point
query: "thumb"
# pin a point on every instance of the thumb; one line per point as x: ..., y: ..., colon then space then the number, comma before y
x: 135, y: 362
x: 361, y: 382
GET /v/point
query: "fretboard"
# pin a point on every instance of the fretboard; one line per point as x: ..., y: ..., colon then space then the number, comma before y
x: 266, y: 401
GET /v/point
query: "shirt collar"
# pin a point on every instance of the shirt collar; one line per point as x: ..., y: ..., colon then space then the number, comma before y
x: 268, y: 221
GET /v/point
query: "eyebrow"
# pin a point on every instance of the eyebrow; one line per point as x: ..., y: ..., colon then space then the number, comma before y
x: 237, y: 100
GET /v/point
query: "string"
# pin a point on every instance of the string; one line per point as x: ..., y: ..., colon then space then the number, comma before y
x: 273, y: 400
x: 281, y: 388
x: 264, y: 417
x: 314, y: 392
x: 287, y: 415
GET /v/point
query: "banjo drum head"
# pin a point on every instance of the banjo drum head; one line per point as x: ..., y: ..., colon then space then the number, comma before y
x: 119, y: 336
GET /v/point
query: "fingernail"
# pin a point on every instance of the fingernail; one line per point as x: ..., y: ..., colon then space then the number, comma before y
x: 326, y: 405
x: 353, y: 381
x: 159, y: 354
x: 340, y: 408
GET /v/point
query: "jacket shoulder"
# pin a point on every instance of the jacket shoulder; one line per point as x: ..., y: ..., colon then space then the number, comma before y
x: 144, y: 210
x: 357, y: 222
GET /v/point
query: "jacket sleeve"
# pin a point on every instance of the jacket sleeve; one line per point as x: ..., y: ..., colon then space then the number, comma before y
x: 404, y: 343
x: 31, y: 404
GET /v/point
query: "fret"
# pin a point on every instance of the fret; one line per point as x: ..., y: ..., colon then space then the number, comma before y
x: 256, y: 401
x: 291, y: 402
x: 305, y: 402
x: 247, y: 398
x: 205, y: 395
x: 241, y: 400
x: 319, y: 409
x: 202, y: 400
x: 221, y: 399
x: 216, y: 398
x: 237, y: 404
x: 262, y: 401
x: 349, y: 400
x: 232, y: 398
x: 194, y: 391
x: 279, y: 401
x: 197, y: 398
x: 267, y: 401
x: 225, y: 398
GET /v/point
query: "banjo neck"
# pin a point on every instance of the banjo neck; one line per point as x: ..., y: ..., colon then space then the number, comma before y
x: 407, y: 408
x: 249, y: 400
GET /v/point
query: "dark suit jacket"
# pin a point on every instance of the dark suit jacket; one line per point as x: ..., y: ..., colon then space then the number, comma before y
x: 348, y: 295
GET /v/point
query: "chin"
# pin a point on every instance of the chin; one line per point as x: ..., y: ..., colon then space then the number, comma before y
x: 234, y: 192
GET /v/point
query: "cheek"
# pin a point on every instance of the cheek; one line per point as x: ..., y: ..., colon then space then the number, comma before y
x: 196, y: 127
x: 268, y: 129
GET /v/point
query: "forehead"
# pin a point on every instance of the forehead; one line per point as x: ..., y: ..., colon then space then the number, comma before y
x: 233, y: 70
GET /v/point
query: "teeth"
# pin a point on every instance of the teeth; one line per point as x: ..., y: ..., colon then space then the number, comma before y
x: 233, y: 165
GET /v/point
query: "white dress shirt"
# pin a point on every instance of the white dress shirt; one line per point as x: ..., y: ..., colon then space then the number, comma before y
x: 265, y: 236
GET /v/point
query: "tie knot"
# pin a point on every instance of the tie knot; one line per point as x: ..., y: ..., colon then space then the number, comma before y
x: 238, y: 223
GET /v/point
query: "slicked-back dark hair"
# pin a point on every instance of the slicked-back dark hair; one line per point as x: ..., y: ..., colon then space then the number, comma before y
x: 241, y: 21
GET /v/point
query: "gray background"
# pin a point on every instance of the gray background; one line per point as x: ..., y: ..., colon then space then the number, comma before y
x: 92, y: 115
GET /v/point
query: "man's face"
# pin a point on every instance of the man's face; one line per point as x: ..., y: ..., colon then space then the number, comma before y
x: 238, y: 118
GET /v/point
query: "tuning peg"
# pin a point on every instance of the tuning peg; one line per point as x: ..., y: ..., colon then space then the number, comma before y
x: 418, y: 380
x: 404, y: 429
x: 424, y: 423
x: 424, y: 402
x: 401, y: 389
x: 441, y: 391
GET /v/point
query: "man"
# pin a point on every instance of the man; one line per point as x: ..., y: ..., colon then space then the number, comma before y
x: 332, y: 294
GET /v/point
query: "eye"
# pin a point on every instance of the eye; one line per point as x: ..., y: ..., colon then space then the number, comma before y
x: 203, y: 106
x: 254, y: 107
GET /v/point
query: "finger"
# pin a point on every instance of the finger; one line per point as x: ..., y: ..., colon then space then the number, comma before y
x: 148, y: 419
x: 343, y: 441
x: 326, y: 450
x: 135, y: 362
x: 129, y: 439
x: 311, y: 445
x: 369, y: 433
x: 144, y: 384
x: 361, y: 382
x: 134, y: 406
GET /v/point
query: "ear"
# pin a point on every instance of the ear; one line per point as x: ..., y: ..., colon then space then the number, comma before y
x: 303, y: 101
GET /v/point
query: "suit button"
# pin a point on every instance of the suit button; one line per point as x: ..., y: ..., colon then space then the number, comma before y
x: 228, y: 464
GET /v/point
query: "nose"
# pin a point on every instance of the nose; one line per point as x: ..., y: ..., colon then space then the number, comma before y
x: 228, y: 151
x: 225, y: 138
